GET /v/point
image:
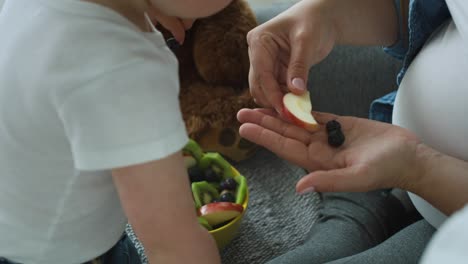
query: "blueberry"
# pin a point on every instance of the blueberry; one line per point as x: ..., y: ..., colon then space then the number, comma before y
x: 173, y: 44
x: 227, y: 197
x: 211, y: 175
x: 215, y: 201
x: 228, y: 184
x: 333, y: 125
x: 336, y: 138
x: 196, y: 174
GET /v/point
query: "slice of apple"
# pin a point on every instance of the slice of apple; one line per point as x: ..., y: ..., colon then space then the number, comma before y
x: 298, y: 109
x: 217, y: 213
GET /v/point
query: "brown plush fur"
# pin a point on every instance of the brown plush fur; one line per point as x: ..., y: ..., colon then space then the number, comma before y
x: 214, y: 65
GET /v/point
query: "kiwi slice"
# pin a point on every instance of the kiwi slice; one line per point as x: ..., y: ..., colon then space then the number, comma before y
x: 200, y: 190
x: 217, y: 163
x: 204, y: 223
x: 193, y: 149
x: 241, y: 191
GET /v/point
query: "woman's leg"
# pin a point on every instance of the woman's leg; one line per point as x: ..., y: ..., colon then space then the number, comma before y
x: 405, y: 247
x: 349, y: 223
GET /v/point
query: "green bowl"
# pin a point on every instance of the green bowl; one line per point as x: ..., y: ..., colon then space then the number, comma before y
x: 226, y: 233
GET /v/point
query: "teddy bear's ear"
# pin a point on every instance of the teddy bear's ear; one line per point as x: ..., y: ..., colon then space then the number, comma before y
x: 220, y: 49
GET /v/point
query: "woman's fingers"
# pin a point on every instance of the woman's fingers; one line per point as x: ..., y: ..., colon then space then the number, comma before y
x: 271, y: 89
x: 286, y: 148
x: 299, y: 65
x: 323, y: 118
x: 308, y: 150
x: 336, y: 180
x: 266, y: 111
x: 256, y: 91
x: 266, y: 119
x: 263, y: 52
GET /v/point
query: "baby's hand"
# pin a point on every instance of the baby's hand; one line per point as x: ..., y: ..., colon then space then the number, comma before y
x: 175, y: 25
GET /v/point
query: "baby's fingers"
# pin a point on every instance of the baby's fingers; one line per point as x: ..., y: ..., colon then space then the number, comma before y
x: 188, y: 23
x: 175, y: 25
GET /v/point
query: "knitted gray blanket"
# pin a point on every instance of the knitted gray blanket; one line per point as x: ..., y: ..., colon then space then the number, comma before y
x: 277, y: 219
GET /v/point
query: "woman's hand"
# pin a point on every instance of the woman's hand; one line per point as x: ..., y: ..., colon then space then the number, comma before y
x: 374, y: 155
x: 282, y: 50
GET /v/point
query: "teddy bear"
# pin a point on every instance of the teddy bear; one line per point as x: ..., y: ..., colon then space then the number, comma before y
x: 213, y: 70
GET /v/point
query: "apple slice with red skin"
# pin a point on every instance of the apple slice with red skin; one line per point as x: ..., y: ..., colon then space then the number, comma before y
x: 298, y: 109
x: 217, y: 213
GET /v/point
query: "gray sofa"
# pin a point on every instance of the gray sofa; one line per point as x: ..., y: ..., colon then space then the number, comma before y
x: 277, y: 219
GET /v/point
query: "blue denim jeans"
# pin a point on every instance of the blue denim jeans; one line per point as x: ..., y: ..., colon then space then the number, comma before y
x: 124, y: 252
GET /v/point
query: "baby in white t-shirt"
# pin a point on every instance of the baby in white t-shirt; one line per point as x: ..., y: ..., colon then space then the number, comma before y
x: 91, y: 133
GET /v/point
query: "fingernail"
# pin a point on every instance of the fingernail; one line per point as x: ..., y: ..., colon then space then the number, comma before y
x: 307, y: 190
x: 299, y: 84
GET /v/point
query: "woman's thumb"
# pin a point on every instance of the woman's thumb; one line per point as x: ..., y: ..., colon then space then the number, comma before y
x: 299, y: 65
x: 338, y: 180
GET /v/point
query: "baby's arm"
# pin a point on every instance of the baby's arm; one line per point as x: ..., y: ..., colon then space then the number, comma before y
x: 157, y: 200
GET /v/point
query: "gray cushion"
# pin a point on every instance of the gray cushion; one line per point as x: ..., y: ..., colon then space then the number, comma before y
x: 349, y: 79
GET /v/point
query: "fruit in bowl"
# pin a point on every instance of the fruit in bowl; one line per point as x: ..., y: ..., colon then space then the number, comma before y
x: 219, y: 192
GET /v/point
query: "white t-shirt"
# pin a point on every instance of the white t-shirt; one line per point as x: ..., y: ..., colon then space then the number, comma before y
x: 432, y: 98
x: 82, y: 91
x: 450, y: 243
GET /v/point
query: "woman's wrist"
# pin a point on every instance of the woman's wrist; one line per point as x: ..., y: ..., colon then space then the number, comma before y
x: 363, y: 22
x: 321, y: 14
x: 417, y: 178
x: 329, y: 10
x: 440, y: 179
